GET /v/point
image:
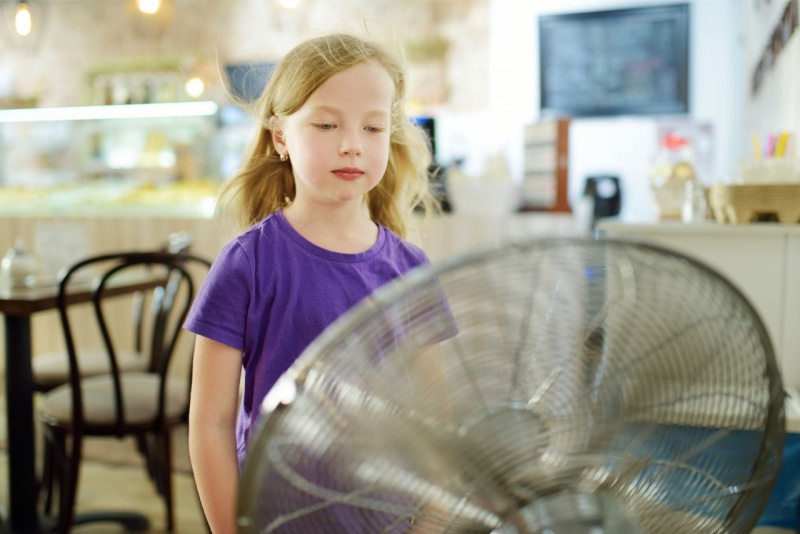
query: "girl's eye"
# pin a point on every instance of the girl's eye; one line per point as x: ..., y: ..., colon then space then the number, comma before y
x: 324, y: 126
x: 375, y: 129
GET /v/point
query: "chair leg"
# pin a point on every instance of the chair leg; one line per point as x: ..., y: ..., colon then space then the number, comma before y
x: 165, y: 472
x: 46, y: 480
x: 146, y: 450
x: 53, y: 445
x: 69, y: 484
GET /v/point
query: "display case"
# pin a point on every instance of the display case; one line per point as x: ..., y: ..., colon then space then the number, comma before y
x: 107, y: 158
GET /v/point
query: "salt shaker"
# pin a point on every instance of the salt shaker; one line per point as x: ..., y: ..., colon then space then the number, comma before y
x: 18, y: 267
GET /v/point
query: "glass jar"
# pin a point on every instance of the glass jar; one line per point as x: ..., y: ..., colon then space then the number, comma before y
x: 18, y: 268
x: 695, y: 208
x: 673, y: 168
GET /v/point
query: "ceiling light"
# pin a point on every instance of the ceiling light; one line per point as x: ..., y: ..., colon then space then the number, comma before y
x: 126, y: 111
x: 288, y: 4
x: 195, y: 87
x: 23, y: 22
x: 149, y: 7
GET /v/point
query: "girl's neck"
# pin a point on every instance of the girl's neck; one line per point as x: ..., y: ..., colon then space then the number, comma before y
x: 347, y: 230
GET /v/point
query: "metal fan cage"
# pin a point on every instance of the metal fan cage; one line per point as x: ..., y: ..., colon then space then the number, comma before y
x: 570, y: 372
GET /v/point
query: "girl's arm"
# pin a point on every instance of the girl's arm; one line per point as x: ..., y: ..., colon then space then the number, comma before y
x: 212, y: 431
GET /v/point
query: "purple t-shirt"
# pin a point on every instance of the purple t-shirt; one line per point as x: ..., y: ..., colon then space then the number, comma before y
x: 271, y: 292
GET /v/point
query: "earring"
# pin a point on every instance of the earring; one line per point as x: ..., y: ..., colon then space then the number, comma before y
x: 284, y: 157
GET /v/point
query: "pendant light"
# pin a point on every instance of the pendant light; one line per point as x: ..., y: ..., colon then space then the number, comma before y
x: 23, y: 21
x: 150, y: 18
x: 290, y: 14
x: 148, y: 7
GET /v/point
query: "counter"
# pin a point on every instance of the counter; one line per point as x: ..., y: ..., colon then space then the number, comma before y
x: 112, y: 198
x: 761, y: 259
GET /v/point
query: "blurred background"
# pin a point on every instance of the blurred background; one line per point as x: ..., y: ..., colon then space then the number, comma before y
x: 121, y: 119
x: 477, y: 70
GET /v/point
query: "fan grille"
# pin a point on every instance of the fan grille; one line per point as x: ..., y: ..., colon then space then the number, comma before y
x: 461, y: 395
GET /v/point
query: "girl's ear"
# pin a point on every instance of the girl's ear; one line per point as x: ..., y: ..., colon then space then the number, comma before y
x: 276, y: 131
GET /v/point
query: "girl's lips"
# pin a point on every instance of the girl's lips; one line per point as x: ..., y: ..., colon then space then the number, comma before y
x: 348, y: 174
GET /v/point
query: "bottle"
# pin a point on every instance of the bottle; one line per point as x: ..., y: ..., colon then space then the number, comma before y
x: 19, y: 269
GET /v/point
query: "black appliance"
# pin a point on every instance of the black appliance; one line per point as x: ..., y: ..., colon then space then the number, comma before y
x: 437, y: 173
x: 604, y: 190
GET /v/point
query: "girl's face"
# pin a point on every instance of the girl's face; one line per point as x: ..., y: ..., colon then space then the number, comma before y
x: 338, y: 141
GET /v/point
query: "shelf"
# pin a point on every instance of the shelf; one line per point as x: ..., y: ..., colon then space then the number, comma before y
x: 545, y: 165
x: 127, y: 111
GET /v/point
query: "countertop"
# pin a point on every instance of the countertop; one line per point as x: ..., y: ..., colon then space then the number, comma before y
x: 704, y: 228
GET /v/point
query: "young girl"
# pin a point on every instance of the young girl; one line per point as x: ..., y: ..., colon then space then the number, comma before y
x: 324, y: 200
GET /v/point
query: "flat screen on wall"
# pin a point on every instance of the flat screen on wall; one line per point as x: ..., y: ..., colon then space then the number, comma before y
x: 616, y: 62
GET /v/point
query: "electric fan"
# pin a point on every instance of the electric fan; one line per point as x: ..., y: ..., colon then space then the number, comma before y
x: 552, y: 386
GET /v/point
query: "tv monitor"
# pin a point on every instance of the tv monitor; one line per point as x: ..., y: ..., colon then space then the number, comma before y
x: 615, y: 62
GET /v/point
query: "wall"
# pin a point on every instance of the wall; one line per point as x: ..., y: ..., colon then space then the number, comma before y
x: 775, y: 106
x: 77, y: 35
x: 482, y: 87
x: 620, y: 145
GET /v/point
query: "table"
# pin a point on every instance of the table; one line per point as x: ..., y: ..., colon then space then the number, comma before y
x: 17, y: 307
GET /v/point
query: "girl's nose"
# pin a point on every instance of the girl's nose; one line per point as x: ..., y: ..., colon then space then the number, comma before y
x: 351, y: 144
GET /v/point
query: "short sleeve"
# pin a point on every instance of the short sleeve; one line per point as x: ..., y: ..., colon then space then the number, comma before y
x: 437, y: 309
x: 219, y: 311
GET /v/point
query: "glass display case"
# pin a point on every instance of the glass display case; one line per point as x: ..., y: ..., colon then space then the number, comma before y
x: 107, y: 157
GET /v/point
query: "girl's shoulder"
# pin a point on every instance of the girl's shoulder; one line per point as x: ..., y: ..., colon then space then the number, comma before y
x: 397, y: 245
x: 244, y: 247
x: 255, y: 233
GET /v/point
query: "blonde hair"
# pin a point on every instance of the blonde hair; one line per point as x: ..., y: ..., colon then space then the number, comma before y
x: 265, y: 184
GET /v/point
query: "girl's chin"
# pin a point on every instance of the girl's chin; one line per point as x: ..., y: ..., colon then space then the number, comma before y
x: 350, y: 196
x: 343, y: 200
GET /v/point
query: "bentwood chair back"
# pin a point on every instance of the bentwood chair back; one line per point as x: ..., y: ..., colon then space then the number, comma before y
x: 51, y: 369
x: 145, y: 404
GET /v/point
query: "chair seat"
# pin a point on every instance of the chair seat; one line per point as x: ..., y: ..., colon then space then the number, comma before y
x: 139, y: 397
x: 52, y: 369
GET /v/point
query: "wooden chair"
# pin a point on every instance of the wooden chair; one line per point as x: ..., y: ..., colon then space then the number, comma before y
x: 145, y: 404
x: 51, y: 370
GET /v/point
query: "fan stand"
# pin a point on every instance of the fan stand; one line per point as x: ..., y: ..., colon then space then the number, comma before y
x: 569, y: 512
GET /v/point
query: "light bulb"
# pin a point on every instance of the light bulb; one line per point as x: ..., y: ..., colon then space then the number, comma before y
x: 195, y: 87
x: 288, y: 4
x: 149, y: 7
x: 23, y: 22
